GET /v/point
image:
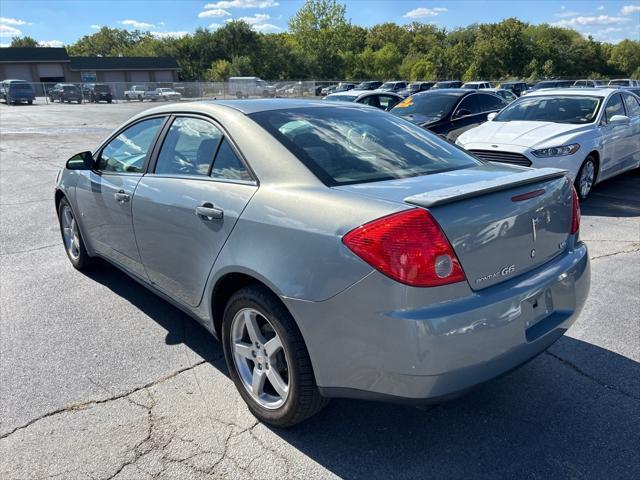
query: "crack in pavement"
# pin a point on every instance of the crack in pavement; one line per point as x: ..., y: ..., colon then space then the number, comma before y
x: 632, y: 250
x: 6, y: 254
x: 581, y: 372
x: 90, y: 403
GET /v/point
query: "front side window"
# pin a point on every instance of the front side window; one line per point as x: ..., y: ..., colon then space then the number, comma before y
x: 633, y: 105
x: 614, y: 107
x: 488, y: 103
x: 345, y: 146
x: 557, y: 108
x: 189, y: 147
x: 128, y: 151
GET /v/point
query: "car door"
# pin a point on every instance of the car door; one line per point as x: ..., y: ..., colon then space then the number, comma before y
x: 632, y: 105
x: 614, y: 138
x: 103, y: 195
x: 186, y: 206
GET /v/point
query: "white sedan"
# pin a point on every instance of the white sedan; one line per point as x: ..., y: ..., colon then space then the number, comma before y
x: 168, y: 94
x: 594, y: 134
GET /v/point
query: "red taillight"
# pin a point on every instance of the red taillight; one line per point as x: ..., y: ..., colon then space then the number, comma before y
x: 575, y: 217
x: 409, y: 247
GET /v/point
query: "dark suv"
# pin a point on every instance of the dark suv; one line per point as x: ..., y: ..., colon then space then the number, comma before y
x: 97, y: 92
x: 65, y: 92
x: 515, y: 87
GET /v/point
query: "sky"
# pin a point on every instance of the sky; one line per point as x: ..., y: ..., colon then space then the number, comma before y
x: 56, y: 23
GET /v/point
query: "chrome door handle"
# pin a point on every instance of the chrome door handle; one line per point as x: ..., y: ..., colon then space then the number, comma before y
x: 208, y: 212
x: 122, y: 196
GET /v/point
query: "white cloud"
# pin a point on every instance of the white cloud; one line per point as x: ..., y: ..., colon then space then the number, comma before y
x: 50, y: 43
x: 13, y: 21
x: 425, y: 12
x: 4, y: 45
x: 178, y: 34
x: 601, y: 8
x: 629, y: 9
x: 136, y: 24
x: 256, y: 19
x: 216, y: 12
x: 594, y: 20
x: 215, y: 26
x: 258, y: 23
x: 266, y: 28
x: 243, y: 4
x: 7, y: 31
x: 95, y: 26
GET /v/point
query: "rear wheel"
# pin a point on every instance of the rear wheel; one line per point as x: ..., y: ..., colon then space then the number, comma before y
x: 586, y: 178
x: 73, y: 242
x: 268, y: 360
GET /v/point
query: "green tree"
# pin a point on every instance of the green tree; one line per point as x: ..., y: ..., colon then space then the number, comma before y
x: 220, y: 71
x: 320, y: 29
x: 25, y: 41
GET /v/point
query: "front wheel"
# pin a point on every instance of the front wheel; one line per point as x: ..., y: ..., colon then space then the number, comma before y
x: 73, y: 242
x: 267, y: 358
x: 586, y: 178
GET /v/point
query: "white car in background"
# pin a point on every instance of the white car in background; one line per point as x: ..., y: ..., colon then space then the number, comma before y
x: 168, y: 94
x: 594, y: 134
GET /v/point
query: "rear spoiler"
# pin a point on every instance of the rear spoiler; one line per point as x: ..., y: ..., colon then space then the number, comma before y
x: 475, y: 189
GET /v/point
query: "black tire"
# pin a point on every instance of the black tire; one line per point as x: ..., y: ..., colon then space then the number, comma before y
x: 582, y: 195
x: 126, y: 97
x: 83, y: 261
x: 30, y: 102
x: 304, y: 399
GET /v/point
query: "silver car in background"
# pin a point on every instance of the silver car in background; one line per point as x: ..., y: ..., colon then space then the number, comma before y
x: 335, y: 249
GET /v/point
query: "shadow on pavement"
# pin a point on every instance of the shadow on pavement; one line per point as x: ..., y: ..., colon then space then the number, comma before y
x: 548, y: 419
x: 617, y: 197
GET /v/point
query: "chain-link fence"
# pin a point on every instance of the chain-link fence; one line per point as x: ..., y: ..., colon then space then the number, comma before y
x: 115, y: 92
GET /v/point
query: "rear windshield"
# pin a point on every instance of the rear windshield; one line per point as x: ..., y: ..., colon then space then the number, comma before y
x: 622, y: 83
x: 557, y: 109
x: 69, y: 88
x: 347, y: 145
x: 101, y: 88
x: 19, y: 86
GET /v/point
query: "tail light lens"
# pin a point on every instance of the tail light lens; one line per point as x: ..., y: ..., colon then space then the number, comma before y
x: 409, y: 247
x: 575, y: 217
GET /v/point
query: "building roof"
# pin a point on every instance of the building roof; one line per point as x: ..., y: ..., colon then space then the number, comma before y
x: 33, y: 54
x: 123, y: 63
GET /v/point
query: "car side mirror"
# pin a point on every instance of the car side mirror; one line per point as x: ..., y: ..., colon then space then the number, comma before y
x: 81, y: 161
x: 463, y: 112
x: 619, y: 120
x: 491, y: 116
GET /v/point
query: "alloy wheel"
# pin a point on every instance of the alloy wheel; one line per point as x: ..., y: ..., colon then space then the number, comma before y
x: 259, y: 358
x: 70, y: 232
x: 587, y: 177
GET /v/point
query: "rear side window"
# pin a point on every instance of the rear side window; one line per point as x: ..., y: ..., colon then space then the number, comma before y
x: 227, y: 165
x: 488, y: 103
x: 128, y: 151
x: 189, y: 147
x: 614, y: 107
x: 351, y: 145
x: 633, y: 105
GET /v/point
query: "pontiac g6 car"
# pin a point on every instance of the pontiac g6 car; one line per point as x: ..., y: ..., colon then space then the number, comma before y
x: 335, y: 250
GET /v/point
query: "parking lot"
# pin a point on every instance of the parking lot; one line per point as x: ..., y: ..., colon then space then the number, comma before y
x: 100, y: 378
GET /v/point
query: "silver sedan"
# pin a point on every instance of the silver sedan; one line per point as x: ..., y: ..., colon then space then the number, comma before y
x: 336, y: 250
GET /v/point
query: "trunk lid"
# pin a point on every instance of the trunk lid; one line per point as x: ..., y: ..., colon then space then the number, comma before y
x: 501, y: 221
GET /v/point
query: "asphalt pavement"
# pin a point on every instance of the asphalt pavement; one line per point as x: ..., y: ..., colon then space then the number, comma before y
x: 101, y: 379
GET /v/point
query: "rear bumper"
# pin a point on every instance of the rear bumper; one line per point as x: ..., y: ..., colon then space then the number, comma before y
x: 377, y: 340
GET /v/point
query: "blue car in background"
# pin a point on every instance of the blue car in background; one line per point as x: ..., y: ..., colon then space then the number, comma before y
x: 16, y: 91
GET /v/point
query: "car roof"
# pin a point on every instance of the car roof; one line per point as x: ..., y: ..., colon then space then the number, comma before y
x: 354, y: 92
x: 460, y: 92
x: 478, y: 82
x: 582, y: 91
